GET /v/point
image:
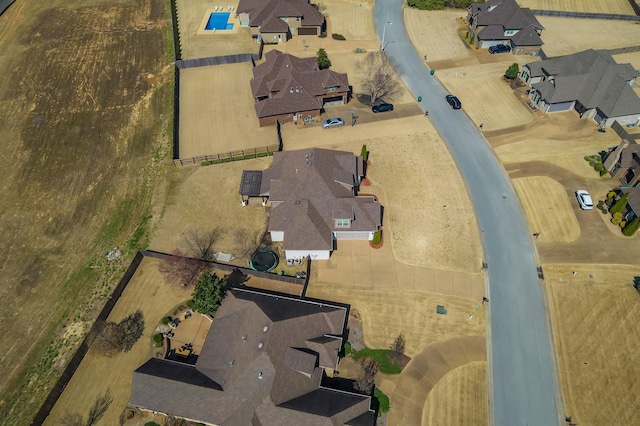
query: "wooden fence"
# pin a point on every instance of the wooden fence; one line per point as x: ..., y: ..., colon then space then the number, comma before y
x: 226, y: 157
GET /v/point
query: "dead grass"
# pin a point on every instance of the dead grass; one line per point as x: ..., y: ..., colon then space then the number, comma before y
x: 595, y: 323
x: 216, y: 111
x: 629, y: 58
x: 435, y: 33
x: 590, y: 6
x: 354, y: 20
x: 148, y: 292
x: 459, y: 398
x: 547, y: 209
x: 386, y: 313
x: 563, y: 36
x: 475, y: 84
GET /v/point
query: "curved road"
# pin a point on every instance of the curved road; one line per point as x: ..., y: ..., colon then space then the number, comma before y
x: 523, y: 390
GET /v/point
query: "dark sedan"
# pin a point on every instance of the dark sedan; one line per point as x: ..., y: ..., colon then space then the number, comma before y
x: 453, y: 101
x: 382, y: 107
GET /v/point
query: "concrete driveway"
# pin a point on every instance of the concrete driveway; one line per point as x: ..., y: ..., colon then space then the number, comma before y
x: 524, y: 388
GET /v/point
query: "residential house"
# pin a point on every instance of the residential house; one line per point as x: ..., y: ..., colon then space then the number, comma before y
x: 314, y: 201
x: 263, y: 363
x: 623, y: 163
x: 275, y: 21
x: 590, y: 82
x: 632, y: 209
x: 504, y: 22
x: 287, y: 88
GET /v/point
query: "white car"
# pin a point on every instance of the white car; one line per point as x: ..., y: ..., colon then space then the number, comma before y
x: 332, y: 122
x: 584, y: 199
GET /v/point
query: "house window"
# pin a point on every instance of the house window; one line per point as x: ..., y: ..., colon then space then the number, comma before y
x: 331, y: 89
x: 343, y: 223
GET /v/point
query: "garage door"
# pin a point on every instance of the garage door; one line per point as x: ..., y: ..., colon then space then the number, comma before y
x: 336, y: 100
x: 307, y: 31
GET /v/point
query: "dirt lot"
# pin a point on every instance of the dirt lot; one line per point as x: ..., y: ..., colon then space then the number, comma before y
x: 595, y: 316
x: 474, y: 85
x: 563, y: 36
x: 84, y: 102
x: 204, y: 127
x: 590, y: 6
x: 435, y: 33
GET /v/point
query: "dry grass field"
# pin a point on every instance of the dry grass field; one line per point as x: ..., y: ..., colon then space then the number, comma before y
x: 85, y: 110
x: 216, y: 111
x: 548, y: 209
x: 459, y: 398
x: 435, y: 33
x: 595, y: 319
x: 563, y: 36
x: 629, y: 58
x: 475, y: 85
x: 204, y: 198
x: 590, y: 6
x: 352, y: 19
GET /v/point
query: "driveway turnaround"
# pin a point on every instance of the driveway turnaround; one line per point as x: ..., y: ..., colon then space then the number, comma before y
x: 523, y: 384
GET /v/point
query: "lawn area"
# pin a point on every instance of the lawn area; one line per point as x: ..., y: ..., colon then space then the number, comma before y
x: 382, y: 356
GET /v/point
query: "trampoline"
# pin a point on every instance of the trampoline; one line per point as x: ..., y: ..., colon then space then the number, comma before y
x: 264, y: 261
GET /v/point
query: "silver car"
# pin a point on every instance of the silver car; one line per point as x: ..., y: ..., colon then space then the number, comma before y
x: 332, y: 122
x: 584, y: 199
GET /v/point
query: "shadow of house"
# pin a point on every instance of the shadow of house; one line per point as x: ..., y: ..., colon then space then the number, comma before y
x: 623, y: 163
x: 287, y: 88
x: 275, y: 21
x: 504, y: 22
x: 589, y: 82
x: 262, y: 364
x: 314, y: 201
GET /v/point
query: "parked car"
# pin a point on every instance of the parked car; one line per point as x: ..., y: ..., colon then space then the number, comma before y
x: 584, y: 199
x: 499, y: 48
x: 382, y: 107
x: 332, y: 122
x: 453, y: 101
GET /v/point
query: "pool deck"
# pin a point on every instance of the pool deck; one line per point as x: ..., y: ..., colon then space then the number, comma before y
x: 233, y: 19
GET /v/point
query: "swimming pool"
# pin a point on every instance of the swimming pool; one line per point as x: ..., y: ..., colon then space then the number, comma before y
x: 218, y: 21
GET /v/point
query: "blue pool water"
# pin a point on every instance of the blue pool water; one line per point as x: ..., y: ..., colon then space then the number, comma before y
x: 218, y: 21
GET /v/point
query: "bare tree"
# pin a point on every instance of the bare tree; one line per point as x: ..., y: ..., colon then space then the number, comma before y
x: 378, y: 76
x: 245, y: 242
x: 97, y: 410
x: 397, y: 348
x: 107, y: 337
x: 199, y: 244
x: 182, y: 270
x: 133, y: 327
x: 367, y: 375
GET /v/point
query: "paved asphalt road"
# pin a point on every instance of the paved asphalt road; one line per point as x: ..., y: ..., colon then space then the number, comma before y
x: 520, y: 360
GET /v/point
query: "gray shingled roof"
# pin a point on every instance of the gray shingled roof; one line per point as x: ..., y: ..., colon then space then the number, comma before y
x: 4, y: 5
x: 309, y: 189
x: 634, y: 198
x: 500, y: 15
x: 258, y: 362
x: 591, y: 77
x: 262, y: 12
x: 292, y: 84
x: 630, y: 155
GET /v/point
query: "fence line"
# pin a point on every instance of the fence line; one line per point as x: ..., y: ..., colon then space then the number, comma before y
x: 225, y: 157
x: 586, y: 15
x: 63, y: 381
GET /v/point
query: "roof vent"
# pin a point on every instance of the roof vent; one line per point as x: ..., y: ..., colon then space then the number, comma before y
x: 260, y: 345
x: 265, y: 328
x: 260, y: 375
x: 231, y: 363
x: 244, y: 338
x: 290, y: 89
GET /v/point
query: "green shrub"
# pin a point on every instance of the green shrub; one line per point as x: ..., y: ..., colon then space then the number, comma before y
x: 207, y: 163
x: 610, y: 195
x: 623, y: 224
x: 377, y: 237
x: 427, y: 4
x: 347, y: 349
x: 593, y: 163
x: 151, y: 424
x: 190, y: 304
x: 620, y: 205
x: 603, y: 172
x: 166, y: 320
x: 599, y: 167
x: 618, y: 215
x: 616, y: 220
x: 337, y: 36
x: 632, y: 227
x: 587, y: 158
x: 383, y: 400
x: 364, y: 153
x: 158, y: 339
x: 382, y: 357
x: 512, y: 71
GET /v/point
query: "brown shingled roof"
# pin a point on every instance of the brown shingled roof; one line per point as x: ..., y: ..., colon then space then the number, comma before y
x: 260, y: 365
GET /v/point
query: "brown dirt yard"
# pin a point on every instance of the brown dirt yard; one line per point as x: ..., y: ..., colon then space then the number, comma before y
x: 594, y: 316
x: 216, y: 111
x: 591, y: 6
x: 563, y: 36
x: 85, y: 110
x: 435, y: 33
